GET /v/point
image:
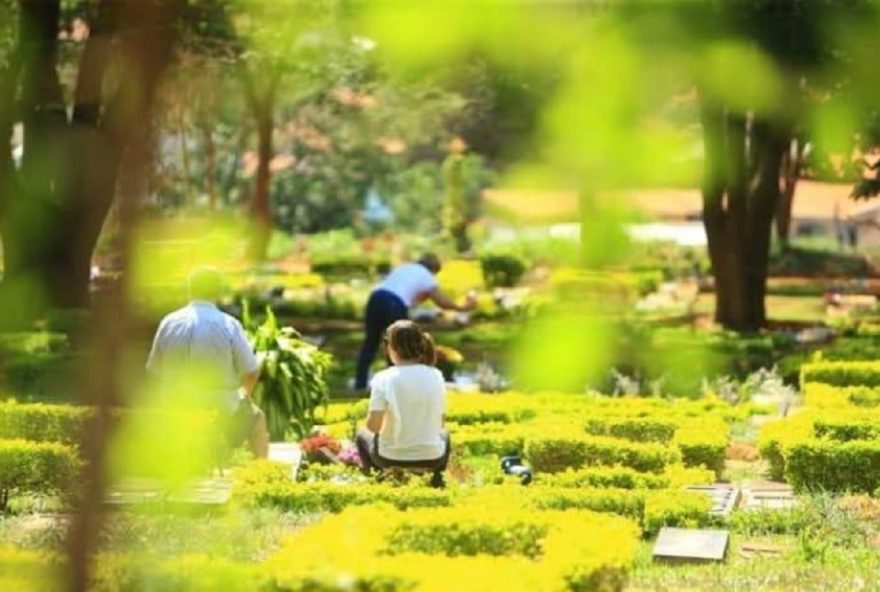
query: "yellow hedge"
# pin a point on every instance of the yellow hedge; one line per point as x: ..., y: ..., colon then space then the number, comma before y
x: 474, y: 548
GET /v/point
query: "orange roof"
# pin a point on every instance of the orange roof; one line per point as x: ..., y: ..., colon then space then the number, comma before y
x: 813, y: 200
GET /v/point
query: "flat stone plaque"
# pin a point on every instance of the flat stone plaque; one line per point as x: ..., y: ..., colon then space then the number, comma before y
x: 724, y: 497
x: 207, y: 492
x: 769, y: 497
x: 691, y: 545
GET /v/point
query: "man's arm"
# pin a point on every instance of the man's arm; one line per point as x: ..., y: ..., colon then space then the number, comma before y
x: 249, y: 382
x: 444, y: 301
x: 154, y: 358
x: 246, y: 364
x: 374, y: 421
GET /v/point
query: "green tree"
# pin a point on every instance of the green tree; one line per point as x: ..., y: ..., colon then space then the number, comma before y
x: 78, y: 82
x: 786, y: 48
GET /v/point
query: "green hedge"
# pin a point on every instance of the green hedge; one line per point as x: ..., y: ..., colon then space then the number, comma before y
x: 825, y: 465
x: 637, y: 429
x: 624, y: 502
x: 554, y: 454
x: 844, y: 430
x: 502, y: 270
x: 653, y: 509
x: 43, y: 423
x: 610, y: 477
x: 35, y: 467
x: 345, y: 265
x: 484, y: 442
x: 776, y: 436
x: 842, y: 373
x: 319, y: 496
x: 683, y: 509
x: 703, y: 447
x: 513, y: 537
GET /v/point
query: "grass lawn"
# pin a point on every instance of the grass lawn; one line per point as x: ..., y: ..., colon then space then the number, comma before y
x: 807, y: 308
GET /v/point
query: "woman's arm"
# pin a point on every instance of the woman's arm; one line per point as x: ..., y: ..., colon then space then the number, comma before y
x: 444, y: 301
x: 374, y: 421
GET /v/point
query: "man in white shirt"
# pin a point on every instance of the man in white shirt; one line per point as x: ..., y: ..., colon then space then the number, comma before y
x: 200, y: 342
x: 406, y: 285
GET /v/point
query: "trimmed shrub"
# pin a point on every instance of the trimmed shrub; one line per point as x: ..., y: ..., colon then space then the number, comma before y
x: 842, y: 373
x: 674, y: 508
x: 776, y: 435
x: 826, y: 396
x: 43, y: 423
x: 455, y: 537
x: 486, y: 439
x: 611, y: 477
x: 35, y: 467
x: 653, y: 509
x: 555, y: 454
x: 323, y: 496
x: 844, y: 430
x: 369, y: 557
x: 636, y: 429
x: 502, y: 270
x: 823, y: 465
x: 630, y: 503
x: 339, y: 265
x: 626, y: 478
x: 703, y: 447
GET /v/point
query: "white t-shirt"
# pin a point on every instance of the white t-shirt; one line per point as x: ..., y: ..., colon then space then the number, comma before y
x: 413, y: 398
x: 201, y: 337
x: 408, y: 282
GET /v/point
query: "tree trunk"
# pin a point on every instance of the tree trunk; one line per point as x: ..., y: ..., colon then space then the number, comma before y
x: 210, y: 167
x: 740, y: 196
x: 120, y: 131
x: 262, y: 102
x: 55, y: 205
x: 260, y: 207
x: 791, y: 168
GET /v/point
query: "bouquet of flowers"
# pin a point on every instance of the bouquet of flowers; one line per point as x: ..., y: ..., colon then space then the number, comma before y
x: 321, y: 448
x: 349, y: 456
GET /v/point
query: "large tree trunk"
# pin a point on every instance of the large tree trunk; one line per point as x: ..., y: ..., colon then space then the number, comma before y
x: 104, y: 135
x: 54, y: 207
x: 740, y: 195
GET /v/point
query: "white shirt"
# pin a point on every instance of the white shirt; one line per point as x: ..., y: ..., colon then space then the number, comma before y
x: 409, y: 282
x: 200, y: 337
x: 413, y: 398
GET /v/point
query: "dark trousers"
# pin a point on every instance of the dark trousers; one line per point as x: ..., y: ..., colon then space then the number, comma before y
x: 368, y: 449
x: 383, y: 308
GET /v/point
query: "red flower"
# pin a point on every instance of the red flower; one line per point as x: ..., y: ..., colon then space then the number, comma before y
x: 310, y: 445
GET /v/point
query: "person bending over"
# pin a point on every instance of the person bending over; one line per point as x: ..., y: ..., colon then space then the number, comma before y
x: 404, y: 427
x: 407, y: 284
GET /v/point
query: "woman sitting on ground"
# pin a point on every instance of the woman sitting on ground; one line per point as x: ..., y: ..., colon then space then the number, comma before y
x: 407, y: 400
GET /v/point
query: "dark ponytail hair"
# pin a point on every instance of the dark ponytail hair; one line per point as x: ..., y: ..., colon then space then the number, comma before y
x: 411, y: 342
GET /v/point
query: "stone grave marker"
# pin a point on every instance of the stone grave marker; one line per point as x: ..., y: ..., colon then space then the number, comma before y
x: 134, y: 491
x: 769, y: 496
x: 724, y: 497
x: 683, y: 545
x: 287, y: 453
x: 207, y: 492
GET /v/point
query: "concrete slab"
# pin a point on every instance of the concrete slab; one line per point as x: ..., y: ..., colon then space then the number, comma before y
x: 724, y: 497
x: 691, y: 545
